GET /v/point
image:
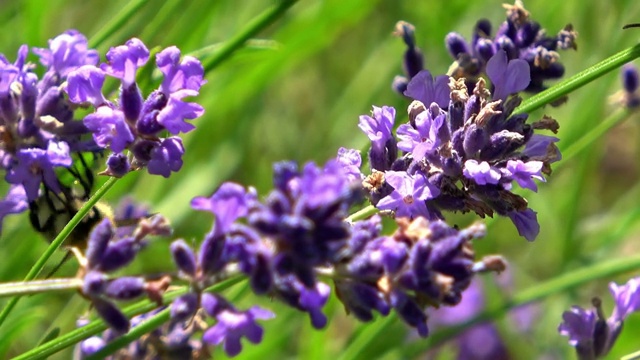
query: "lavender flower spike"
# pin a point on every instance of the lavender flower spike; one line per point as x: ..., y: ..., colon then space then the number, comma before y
x: 589, y: 332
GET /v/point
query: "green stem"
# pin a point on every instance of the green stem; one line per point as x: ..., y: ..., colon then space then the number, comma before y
x: 130, y: 9
x: 97, y: 326
x: 582, y: 78
x: 250, y: 30
x: 362, y: 214
x: 37, y: 267
x: 93, y: 328
x: 554, y: 286
x: 38, y: 286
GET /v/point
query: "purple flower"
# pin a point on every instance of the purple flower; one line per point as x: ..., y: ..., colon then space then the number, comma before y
x: 589, y: 332
x: 178, y: 75
x: 66, y: 52
x: 423, y: 136
x: 424, y: 88
x: 482, y: 173
x: 378, y: 128
x: 15, y: 202
x: 124, y: 61
x: 351, y: 161
x: 167, y: 157
x: 84, y: 85
x: 524, y: 173
x: 173, y: 116
x: 232, y: 324
x: 35, y: 166
x: 626, y: 297
x: 507, y: 77
x: 228, y: 203
x: 629, y: 96
x: 409, y: 194
x: 109, y: 128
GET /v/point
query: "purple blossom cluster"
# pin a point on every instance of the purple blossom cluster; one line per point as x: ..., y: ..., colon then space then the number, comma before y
x: 590, y: 331
x: 284, y: 245
x: 518, y: 36
x: 109, y: 250
x: 38, y: 133
x: 134, y: 123
x: 41, y: 141
x: 461, y: 152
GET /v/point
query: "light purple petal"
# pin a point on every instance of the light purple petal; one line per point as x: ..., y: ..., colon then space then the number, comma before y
x: 124, y: 61
x: 228, y: 203
x: 425, y: 89
x: 187, y: 74
x: 174, y: 114
x: 526, y: 223
x: 482, y: 173
x: 84, y: 85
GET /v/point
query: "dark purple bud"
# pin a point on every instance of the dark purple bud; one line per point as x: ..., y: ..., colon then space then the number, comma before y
x: 112, y: 316
x: 28, y: 95
x: 406, y: 31
x: 527, y: 34
x: 119, y: 254
x: 482, y: 28
x: 399, y: 84
x: 472, y: 106
x: 456, y: 44
x: 131, y: 102
x: 485, y: 49
x: 98, y: 242
x: 505, y: 43
x: 413, y: 61
x: 474, y: 140
x: 630, y: 78
x: 94, y: 283
x: 211, y: 254
x: 148, y: 124
x: 456, y: 115
x: 502, y: 143
x: 184, y: 257
x: 117, y: 165
x: 8, y: 108
x: 126, y: 288
x: 361, y: 299
x: 142, y: 150
x: 50, y: 102
x: 26, y: 128
x: 261, y: 276
x: 283, y: 172
x: 184, y: 307
x: 410, y: 312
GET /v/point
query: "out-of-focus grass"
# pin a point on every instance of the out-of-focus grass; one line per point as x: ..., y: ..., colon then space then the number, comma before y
x: 299, y: 98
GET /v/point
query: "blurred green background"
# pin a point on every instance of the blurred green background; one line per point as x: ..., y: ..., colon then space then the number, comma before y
x: 295, y: 92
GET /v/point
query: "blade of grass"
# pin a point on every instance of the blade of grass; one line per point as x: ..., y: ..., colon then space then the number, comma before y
x: 116, y: 22
x: 253, y: 27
